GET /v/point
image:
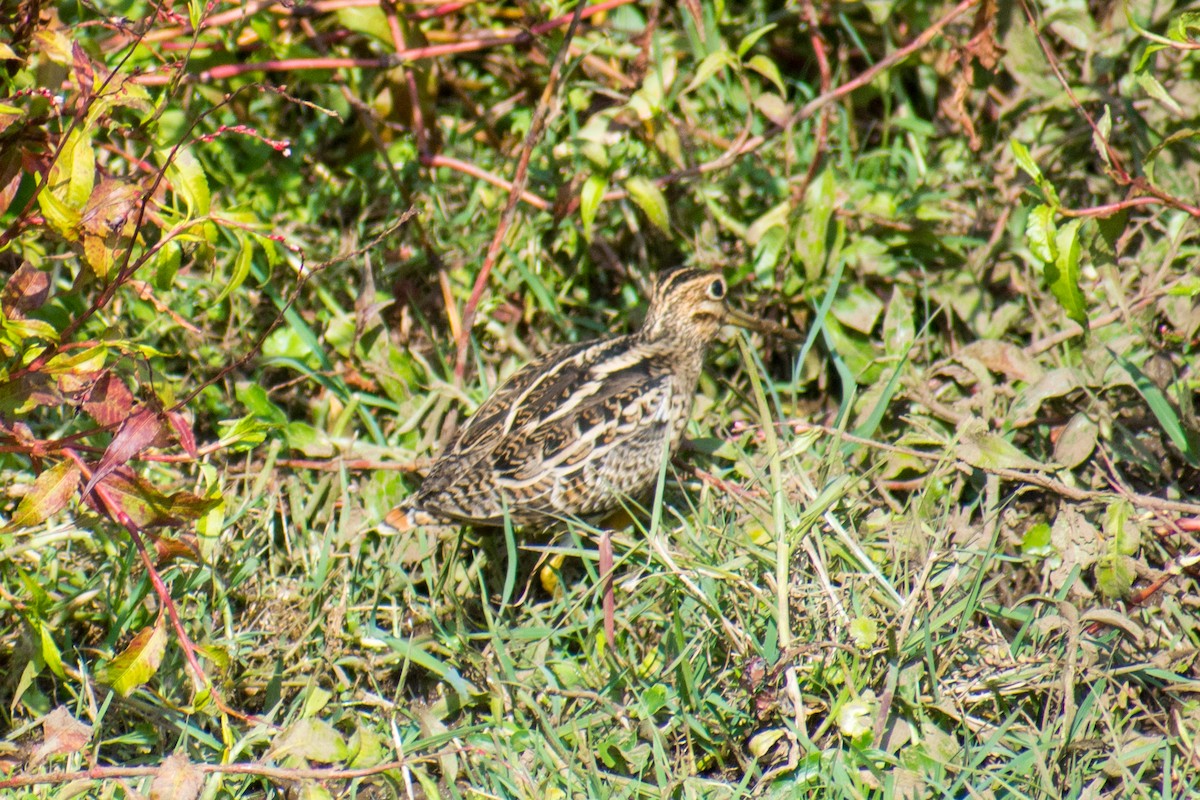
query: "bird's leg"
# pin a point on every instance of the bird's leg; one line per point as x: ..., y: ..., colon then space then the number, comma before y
x: 606, y: 586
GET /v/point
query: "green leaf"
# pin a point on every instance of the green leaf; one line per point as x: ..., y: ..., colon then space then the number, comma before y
x: 366, y: 748
x: 1026, y: 163
x: 1156, y: 90
x: 1185, y: 27
x: 138, y: 662
x: 1040, y: 233
x: 1063, y: 275
x: 1036, y: 541
x: 1115, y: 574
x: 312, y: 740
x: 64, y: 219
x: 752, y: 37
x: 649, y: 198
x: 983, y: 449
x: 1123, y: 534
x: 709, y: 67
x: 189, y: 182
x: 1161, y: 408
x: 241, y: 269
x: 589, y: 201
x: 50, y: 652
x: 767, y: 68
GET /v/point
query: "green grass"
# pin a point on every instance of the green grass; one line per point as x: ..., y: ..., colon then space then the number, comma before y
x: 910, y: 557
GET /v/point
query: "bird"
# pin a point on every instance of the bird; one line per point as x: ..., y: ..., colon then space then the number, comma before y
x: 582, y: 430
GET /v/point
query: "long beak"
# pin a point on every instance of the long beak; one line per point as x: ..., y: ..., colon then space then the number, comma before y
x: 765, y: 326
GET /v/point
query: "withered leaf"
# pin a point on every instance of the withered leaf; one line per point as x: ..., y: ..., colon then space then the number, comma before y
x: 61, y: 734
x: 177, y: 779
x: 49, y: 495
x: 25, y: 290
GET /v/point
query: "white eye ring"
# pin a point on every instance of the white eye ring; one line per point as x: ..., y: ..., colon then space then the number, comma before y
x: 716, y: 290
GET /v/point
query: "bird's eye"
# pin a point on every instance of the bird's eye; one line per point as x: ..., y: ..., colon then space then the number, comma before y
x: 716, y: 290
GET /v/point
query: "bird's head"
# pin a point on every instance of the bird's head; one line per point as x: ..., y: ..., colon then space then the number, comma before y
x: 689, y: 305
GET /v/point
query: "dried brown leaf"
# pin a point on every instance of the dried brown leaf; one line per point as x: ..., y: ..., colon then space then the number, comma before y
x: 1004, y: 358
x: 62, y: 734
x: 177, y: 779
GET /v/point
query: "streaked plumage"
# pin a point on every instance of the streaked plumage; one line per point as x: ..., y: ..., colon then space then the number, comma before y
x: 585, y: 427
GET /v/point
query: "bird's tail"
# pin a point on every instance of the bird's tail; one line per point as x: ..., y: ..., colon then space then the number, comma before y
x: 407, y: 516
x: 399, y: 519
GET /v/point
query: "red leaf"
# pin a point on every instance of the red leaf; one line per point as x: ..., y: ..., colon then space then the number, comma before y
x: 61, y: 734
x: 110, y: 400
x: 135, y: 435
x: 25, y: 290
x: 169, y: 550
x: 183, y: 429
x: 48, y: 495
x: 146, y: 506
x: 84, y: 74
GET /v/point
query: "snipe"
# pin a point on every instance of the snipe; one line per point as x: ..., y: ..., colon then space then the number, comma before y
x: 583, y: 429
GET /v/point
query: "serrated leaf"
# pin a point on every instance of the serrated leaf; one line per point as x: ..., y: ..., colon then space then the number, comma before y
x: 650, y: 199
x: 138, y: 662
x: 589, y: 202
x: 1063, y: 274
x: 48, y: 495
x: 899, y: 324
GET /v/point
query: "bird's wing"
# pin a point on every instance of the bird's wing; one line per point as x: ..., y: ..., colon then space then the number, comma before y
x: 525, y: 446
